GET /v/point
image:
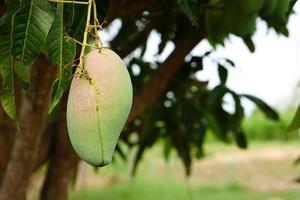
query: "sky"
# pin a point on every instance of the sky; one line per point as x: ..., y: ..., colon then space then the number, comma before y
x: 271, y: 73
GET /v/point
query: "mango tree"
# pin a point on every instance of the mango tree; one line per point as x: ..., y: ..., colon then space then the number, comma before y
x: 44, y: 44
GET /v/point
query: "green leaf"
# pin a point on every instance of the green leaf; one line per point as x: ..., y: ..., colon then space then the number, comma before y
x: 249, y: 43
x: 188, y: 8
x: 230, y: 62
x: 6, y: 19
x: 7, y: 95
x: 239, y: 111
x: 31, y: 25
x: 69, y: 13
x: 3, y: 19
x: 167, y: 147
x: 216, y: 97
x: 60, y: 52
x: 238, y: 23
x: 296, y: 122
x: 241, y: 139
x: 216, y: 31
x: 223, y: 73
x: 265, y: 108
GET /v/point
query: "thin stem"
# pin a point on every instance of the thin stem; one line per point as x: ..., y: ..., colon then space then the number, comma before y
x: 80, y: 43
x: 71, y: 63
x: 85, y: 36
x: 96, y: 24
x: 65, y: 1
x: 73, y: 39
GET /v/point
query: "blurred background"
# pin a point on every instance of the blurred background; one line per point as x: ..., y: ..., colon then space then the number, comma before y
x: 216, y: 86
x: 266, y: 170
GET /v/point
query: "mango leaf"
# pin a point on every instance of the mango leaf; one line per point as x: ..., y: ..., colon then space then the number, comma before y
x: 182, y: 146
x: 216, y: 96
x: 148, y: 136
x: 31, y: 25
x: 69, y: 12
x: 167, y: 147
x: 241, y: 139
x: 6, y: 19
x: 230, y: 62
x: 296, y: 122
x: 249, y: 43
x: 265, y: 108
x: 60, y: 52
x: 239, y: 111
x: 215, y: 27
x: 223, y: 73
x: 188, y: 8
x: 7, y: 96
x: 3, y: 19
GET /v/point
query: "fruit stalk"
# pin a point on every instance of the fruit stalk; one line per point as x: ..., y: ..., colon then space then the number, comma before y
x: 85, y: 36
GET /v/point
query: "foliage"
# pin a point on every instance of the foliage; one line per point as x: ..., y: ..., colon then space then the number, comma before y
x: 295, y: 124
x: 260, y: 128
x: 188, y: 109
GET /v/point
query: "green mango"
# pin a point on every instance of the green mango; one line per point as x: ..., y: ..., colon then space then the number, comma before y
x: 99, y: 102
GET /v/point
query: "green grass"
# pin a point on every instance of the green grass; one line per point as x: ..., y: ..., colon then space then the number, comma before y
x: 258, y: 127
x: 147, y: 189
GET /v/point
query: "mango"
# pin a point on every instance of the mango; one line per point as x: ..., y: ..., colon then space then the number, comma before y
x: 99, y: 103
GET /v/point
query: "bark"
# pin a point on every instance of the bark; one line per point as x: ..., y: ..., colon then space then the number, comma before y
x: 2, y: 9
x: 32, y: 117
x: 128, y: 8
x: 6, y: 140
x: 7, y: 134
x: 133, y: 44
x: 62, y: 163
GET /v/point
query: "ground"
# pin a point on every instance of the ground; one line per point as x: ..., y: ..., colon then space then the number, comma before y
x: 263, y: 172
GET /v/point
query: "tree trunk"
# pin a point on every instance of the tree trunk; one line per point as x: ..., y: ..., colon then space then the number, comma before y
x: 62, y: 163
x: 32, y: 117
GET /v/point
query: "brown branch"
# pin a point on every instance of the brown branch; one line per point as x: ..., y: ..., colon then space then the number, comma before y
x: 127, y: 8
x: 32, y: 117
x: 2, y: 9
x: 63, y: 161
x: 133, y: 44
x: 6, y: 140
x: 160, y: 79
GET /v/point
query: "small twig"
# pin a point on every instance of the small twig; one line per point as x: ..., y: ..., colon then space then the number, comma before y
x: 72, y: 63
x: 96, y: 24
x: 73, y: 39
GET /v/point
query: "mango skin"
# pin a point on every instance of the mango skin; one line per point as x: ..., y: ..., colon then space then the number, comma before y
x: 98, y: 106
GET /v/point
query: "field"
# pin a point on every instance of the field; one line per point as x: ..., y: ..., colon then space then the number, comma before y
x: 263, y: 172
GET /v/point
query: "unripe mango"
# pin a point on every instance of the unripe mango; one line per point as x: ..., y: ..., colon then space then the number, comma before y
x: 98, y: 106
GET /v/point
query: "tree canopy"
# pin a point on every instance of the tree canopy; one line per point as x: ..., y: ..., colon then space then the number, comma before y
x: 39, y: 51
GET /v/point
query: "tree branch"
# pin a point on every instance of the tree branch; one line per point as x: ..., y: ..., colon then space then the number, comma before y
x: 160, y: 79
x: 32, y: 117
x: 127, y: 8
x: 2, y: 9
x: 63, y: 161
x: 134, y: 43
